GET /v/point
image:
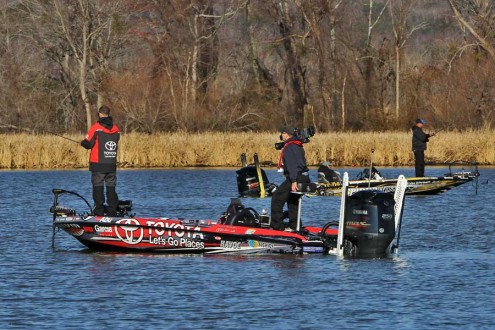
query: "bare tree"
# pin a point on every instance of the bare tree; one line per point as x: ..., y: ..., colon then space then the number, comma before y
x: 81, y: 36
x: 322, y: 17
x: 183, y: 37
x: 296, y: 74
x: 371, y: 60
x: 400, y: 11
x: 262, y: 75
x: 478, y: 17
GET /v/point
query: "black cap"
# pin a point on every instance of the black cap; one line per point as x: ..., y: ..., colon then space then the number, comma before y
x: 287, y: 129
x: 104, y: 110
x: 420, y: 121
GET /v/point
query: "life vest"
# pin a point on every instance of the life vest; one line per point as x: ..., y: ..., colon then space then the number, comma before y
x: 280, y: 160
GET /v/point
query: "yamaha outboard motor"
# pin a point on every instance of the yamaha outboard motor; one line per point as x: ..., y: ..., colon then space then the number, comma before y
x: 369, y: 225
x: 248, y: 183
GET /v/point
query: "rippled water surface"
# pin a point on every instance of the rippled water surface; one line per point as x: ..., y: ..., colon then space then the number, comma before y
x: 443, y: 278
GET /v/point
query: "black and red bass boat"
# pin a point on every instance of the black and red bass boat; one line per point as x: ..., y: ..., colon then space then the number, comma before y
x: 369, y: 226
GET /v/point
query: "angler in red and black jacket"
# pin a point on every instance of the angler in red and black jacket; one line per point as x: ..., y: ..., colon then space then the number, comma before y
x: 103, y: 138
x: 293, y: 163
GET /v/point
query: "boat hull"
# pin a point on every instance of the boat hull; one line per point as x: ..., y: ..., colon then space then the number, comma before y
x: 157, y: 235
x: 416, y: 186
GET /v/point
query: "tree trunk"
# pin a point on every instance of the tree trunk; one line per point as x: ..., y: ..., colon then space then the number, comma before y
x: 294, y: 68
x: 397, y: 81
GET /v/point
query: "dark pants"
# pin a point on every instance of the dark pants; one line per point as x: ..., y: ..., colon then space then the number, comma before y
x: 419, y: 162
x: 281, y: 196
x: 99, y: 181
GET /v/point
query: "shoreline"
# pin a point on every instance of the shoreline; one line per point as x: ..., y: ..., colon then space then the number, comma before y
x: 213, y: 150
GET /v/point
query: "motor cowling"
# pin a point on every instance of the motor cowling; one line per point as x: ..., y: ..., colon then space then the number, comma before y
x: 369, y: 225
x: 248, y: 183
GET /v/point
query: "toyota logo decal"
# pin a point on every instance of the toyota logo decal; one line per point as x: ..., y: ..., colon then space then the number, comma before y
x: 131, y: 234
x: 110, y: 145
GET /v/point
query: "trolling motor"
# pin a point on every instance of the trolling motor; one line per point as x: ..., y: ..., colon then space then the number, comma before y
x: 123, y: 208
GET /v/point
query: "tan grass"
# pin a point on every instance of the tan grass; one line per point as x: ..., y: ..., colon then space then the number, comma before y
x: 224, y: 149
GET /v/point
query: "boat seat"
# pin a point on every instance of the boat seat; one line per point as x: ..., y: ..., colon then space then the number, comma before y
x: 322, y: 178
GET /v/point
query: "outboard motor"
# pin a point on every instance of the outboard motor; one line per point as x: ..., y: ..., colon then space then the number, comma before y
x: 369, y: 225
x: 248, y: 183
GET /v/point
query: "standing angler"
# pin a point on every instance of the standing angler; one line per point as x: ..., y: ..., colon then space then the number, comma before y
x: 103, y: 138
x: 419, y: 141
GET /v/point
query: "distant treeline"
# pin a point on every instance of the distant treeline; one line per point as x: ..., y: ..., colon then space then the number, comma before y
x: 243, y: 65
x: 24, y: 151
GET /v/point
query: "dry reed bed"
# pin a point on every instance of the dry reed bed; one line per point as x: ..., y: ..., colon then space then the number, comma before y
x: 224, y: 149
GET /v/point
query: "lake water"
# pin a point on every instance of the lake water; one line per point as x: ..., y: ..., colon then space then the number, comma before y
x: 443, y: 277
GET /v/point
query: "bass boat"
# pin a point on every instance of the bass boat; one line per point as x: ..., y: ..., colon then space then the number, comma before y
x: 430, y: 185
x: 252, y: 181
x: 368, y: 226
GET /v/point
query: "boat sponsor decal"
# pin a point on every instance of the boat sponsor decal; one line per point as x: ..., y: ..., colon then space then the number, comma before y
x: 160, y: 228
x: 234, y: 245
x: 103, y: 229
x: 260, y: 245
x: 226, y: 229
x: 106, y: 219
x: 313, y: 249
x: 357, y: 224
x: 387, y: 189
x: 250, y: 231
x: 131, y: 231
x: 361, y: 212
x: 387, y: 216
x: 128, y: 231
x: 177, y: 242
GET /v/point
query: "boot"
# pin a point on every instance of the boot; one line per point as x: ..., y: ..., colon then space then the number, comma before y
x: 99, y: 199
x: 113, y: 201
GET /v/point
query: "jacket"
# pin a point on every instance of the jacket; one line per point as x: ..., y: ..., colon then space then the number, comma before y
x: 419, y: 138
x: 293, y: 159
x: 102, y: 138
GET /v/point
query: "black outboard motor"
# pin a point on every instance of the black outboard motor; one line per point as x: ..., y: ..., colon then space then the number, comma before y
x: 248, y: 183
x: 369, y: 225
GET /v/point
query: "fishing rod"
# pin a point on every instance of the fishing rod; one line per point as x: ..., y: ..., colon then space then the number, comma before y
x: 63, y: 137
x: 444, y: 128
x: 32, y: 131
